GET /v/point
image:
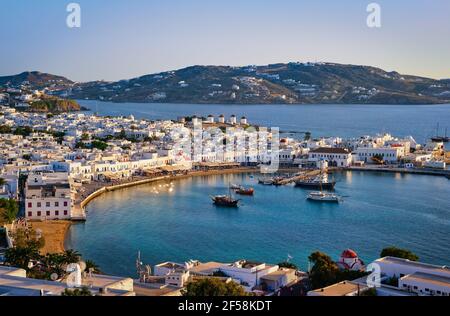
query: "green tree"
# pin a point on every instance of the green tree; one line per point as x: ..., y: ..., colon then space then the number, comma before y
x: 23, y: 131
x: 9, y: 209
x: 99, y: 145
x: 288, y: 265
x: 84, y: 291
x: 27, y: 238
x: 213, y: 287
x: 5, y: 129
x: 80, y: 145
x: 324, y: 270
x: 92, y: 265
x: 20, y: 257
x: 71, y: 256
x: 27, y: 157
x: 398, y: 253
x: 2, y: 181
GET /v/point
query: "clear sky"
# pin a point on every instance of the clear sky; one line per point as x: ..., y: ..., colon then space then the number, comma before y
x: 120, y: 39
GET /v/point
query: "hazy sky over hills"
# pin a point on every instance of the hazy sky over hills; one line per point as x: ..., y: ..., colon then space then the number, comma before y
x: 126, y: 38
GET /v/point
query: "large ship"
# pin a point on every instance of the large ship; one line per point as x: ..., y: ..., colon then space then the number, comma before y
x: 439, y: 138
x: 320, y: 182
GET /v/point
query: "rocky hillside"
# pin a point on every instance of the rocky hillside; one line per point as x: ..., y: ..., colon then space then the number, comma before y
x: 309, y: 83
x: 54, y: 105
x: 36, y: 80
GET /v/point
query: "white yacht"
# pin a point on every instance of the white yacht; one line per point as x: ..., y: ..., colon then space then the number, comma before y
x: 324, y: 197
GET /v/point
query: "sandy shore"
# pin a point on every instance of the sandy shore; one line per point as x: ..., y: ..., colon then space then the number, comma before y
x: 54, y: 233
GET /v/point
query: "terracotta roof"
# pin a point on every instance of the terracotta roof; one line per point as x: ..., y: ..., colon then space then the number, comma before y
x: 349, y: 253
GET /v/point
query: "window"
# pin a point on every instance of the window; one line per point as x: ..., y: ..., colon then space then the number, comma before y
x: 30, y: 204
x: 39, y: 213
x: 65, y: 213
x: 65, y: 203
x: 56, y: 204
x: 47, y: 204
x: 48, y: 213
x: 56, y: 213
x: 39, y: 204
x: 30, y: 214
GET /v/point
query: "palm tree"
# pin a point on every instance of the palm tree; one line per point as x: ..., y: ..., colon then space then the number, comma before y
x: 71, y: 256
x: 92, y: 265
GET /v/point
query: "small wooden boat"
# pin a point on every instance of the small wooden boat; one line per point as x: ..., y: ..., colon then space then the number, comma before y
x: 225, y: 200
x: 235, y: 186
x: 244, y: 191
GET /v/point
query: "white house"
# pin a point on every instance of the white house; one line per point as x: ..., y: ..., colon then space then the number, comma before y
x: 388, y: 154
x: 417, y: 277
x: 48, y: 197
x: 336, y: 157
x: 247, y: 272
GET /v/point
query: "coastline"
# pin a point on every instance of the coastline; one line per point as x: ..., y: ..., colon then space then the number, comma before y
x: 60, y: 239
x: 54, y: 233
x: 56, y: 240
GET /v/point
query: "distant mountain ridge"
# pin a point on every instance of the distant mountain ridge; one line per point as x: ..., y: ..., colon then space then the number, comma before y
x: 291, y: 83
x: 37, y: 79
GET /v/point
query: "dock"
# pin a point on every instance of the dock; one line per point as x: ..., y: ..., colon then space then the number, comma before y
x: 302, y: 176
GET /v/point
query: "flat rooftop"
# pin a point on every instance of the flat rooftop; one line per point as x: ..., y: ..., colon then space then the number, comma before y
x: 206, y: 268
x: 170, y: 265
x: 340, y: 289
x: 431, y: 267
x: 429, y: 278
x: 274, y: 276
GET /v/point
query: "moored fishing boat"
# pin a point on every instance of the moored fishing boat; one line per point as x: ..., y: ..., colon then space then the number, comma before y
x: 265, y: 181
x: 320, y: 182
x: 245, y: 191
x: 225, y: 200
x: 235, y: 186
x: 324, y: 197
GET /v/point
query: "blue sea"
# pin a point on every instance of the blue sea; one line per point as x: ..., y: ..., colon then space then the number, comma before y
x: 419, y: 121
x: 379, y: 210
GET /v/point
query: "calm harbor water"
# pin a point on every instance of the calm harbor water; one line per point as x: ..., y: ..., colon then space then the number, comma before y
x: 420, y: 121
x: 379, y: 210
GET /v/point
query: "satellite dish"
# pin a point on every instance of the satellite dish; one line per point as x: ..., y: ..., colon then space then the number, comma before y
x: 54, y: 276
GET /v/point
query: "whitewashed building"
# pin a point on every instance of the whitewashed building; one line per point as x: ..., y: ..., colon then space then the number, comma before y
x: 336, y: 157
x: 416, y: 277
x: 48, y: 197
